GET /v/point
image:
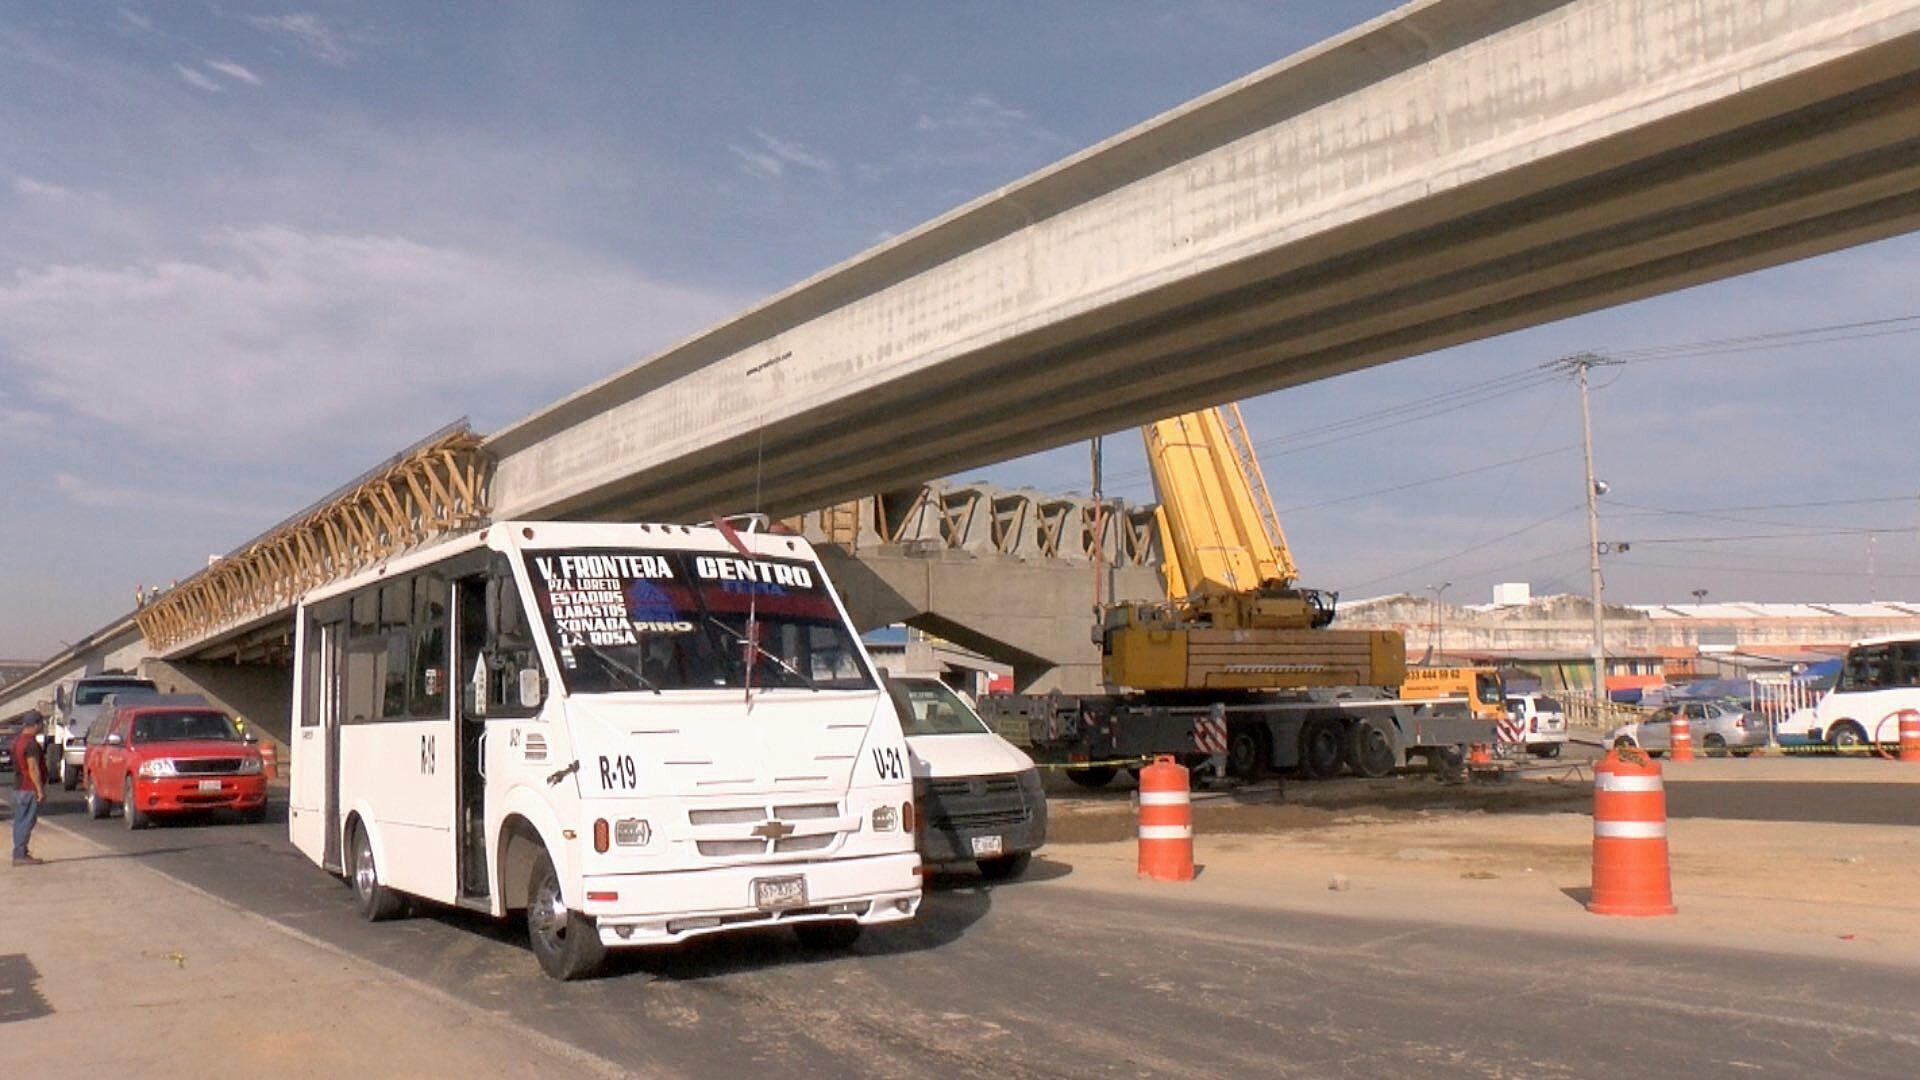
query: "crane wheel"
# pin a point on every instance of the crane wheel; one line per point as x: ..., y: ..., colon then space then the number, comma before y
x: 1370, y: 750
x: 1093, y: 778
x: 1248, y: 754
x: 1323, y: 747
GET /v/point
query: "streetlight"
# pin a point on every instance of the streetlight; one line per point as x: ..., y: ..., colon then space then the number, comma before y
x: 1434, y: 643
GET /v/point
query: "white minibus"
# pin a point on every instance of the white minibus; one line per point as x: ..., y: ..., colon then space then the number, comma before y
x: 634, y: 734
x: 1879, y: 679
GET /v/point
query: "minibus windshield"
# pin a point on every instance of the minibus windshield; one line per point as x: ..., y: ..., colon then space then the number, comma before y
x: 627, y: 619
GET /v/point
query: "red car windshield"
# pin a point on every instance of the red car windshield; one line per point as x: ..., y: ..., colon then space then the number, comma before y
x: 158, y: 727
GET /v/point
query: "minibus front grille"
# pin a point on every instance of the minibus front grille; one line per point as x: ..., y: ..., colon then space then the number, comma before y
x: 794, y: 844
x: 720, y: 849
x: 807, y: 812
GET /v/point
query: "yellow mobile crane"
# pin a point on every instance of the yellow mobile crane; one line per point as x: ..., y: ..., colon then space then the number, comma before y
x: 1233, y: 618
x: 1237, y: 671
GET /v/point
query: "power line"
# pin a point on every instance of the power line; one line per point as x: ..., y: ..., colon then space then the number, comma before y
x: 1774, y: 571
x: 1489, y: 467
x: 1549, y: 519
x: 1764, y: 536
x: 1813, y: 335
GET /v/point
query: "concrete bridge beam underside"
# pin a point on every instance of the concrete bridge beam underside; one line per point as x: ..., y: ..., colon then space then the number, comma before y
x: 1034, y: 615
x: 262, y: 692
x: 1453, y: 170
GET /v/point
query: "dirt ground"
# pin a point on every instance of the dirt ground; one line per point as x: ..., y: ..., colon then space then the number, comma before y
x: 1520, y: 854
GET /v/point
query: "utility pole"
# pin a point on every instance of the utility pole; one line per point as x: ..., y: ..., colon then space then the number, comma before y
x: 1099, y: 533
x: 1580, y: 365
x: 1437, y: 640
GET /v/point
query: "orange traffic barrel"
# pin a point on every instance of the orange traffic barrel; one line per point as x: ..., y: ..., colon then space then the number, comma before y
x: 269, y: 759
x: 1479, y: 754
x: 1630, y: 874
x: 1682, y: 736
x: 1166, y: 822
x: 1909, y: 735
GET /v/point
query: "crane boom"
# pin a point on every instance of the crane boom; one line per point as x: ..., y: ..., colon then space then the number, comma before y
x: 1233, y: 618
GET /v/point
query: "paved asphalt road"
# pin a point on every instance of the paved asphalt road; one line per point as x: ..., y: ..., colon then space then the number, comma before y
x: 1046, y: 978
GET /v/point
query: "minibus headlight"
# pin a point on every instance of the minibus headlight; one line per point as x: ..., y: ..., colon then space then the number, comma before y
x: 885, y: 819
x: 632, y: 832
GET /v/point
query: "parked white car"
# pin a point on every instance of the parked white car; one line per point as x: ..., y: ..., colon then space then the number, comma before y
x: 980, y: 795
x: 1542, y: 720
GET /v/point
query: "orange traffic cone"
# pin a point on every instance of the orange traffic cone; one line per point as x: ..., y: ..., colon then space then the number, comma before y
x: 1682, y: 737
x: 1909, y: 735
x: 1166, y: 822
x: 1630, y: 873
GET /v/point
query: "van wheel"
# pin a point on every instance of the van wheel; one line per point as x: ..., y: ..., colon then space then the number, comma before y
x: 69, y: 776
x: 827, y: 936
x: 1550, y: 750
x: 1323, y: 746
x: 375, y: 901
x: 1003, y: 868
x: 566, y: 943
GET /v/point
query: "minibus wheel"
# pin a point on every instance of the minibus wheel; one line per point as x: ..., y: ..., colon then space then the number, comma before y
x: 566, y: 943
x: 375, y: 901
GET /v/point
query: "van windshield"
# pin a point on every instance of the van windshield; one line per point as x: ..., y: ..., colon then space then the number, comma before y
x: 937, y: 710
x: 625, y: 619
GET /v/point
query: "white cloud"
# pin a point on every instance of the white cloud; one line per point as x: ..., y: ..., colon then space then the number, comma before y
x: 109, y: 497
x: 136, y: 19
x: 234, y: 71
x: 198, y: 79
x: 278, y: 336
x: 307, y: 31
x: 28, y: 187
x: 773, y: 156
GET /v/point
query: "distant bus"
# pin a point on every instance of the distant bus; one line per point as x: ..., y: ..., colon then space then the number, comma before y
x: 1479, y: 689
x: 1879, y: 678
x: 633, y: 734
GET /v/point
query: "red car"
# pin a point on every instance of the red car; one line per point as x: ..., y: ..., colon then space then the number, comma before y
x: 167, y: 755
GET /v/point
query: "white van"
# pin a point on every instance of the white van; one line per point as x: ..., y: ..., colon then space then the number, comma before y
x: 1543, y: 723
x: 1879, y: 679
x: 980, y: 796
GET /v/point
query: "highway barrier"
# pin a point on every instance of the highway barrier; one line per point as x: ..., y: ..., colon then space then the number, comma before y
x: 1630, y: 871
x: 1166, y: 821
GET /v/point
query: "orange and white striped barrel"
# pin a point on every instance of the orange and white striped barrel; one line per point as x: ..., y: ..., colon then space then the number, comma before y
x: 1630, y: 873
x: 269, y: 759
x: 1909, y: 721
x: 1166, y: 821
x: 1681, y: 734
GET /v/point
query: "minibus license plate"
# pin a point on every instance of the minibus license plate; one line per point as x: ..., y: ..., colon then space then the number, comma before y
x: 986, y: 845
x: 209, y: 785
x: 779, y: 893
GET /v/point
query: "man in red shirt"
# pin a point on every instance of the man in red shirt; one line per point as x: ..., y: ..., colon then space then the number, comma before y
x: 29, y: 787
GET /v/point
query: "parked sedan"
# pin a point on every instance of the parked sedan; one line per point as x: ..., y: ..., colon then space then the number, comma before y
x: 166, y: 755
x: 1717, y: 727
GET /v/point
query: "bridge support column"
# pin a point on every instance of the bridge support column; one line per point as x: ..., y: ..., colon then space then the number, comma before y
x: 263, y: 693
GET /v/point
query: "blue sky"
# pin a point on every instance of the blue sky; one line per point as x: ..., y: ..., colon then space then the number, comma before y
x: 246, y: 251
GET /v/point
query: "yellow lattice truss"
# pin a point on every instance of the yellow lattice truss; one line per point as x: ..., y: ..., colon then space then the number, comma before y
x: 430, y: 490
